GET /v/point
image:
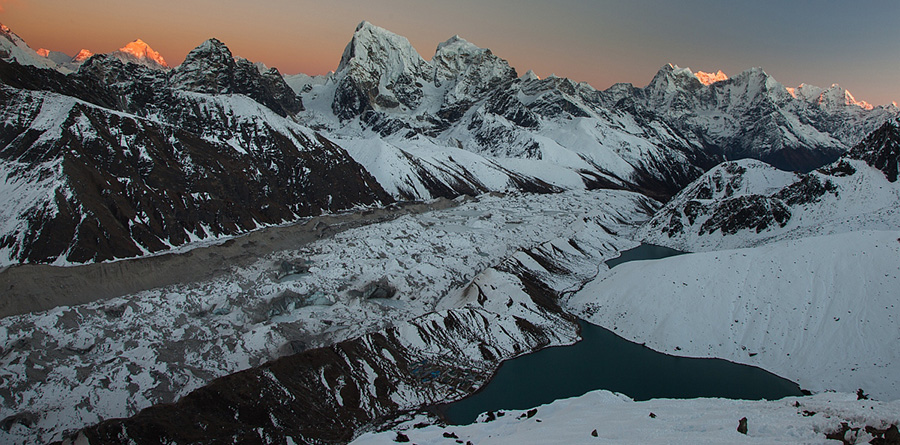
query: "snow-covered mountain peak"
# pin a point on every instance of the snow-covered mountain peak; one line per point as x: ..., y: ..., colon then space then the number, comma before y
x: 530, y: 75
x: 82, y: 55
x: 57, y: 57
x: 710, y: 78
x: 672, y: 77
x: 477, y: 68
x: 755, y: 84
x: 210, y: 52
x: 836, y: 96
x: 373, y: 47
x: 12, y: 47
x: 141, y: 53
x: 378, y: 70
x: 457, y: 44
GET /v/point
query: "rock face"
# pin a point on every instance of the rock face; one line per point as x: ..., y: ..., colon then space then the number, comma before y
x: 881, y: 150
x: 747, y: 203
x: 211, y: 69
x: 118, y: 159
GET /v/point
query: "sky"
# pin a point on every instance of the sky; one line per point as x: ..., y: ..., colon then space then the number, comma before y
x: 852, y: 43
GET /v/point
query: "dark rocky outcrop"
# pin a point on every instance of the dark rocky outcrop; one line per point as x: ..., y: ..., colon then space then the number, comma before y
x: 881, y: 149
x: 131, y: 163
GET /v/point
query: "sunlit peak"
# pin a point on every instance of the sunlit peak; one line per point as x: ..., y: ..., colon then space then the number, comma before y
x: 43, y: 52
x: 710, y: 78
x: 142, y: 50
x: 82, y: 55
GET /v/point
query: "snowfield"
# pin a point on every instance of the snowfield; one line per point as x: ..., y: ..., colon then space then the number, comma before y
x: 605, y: 417
x: 821, y: 311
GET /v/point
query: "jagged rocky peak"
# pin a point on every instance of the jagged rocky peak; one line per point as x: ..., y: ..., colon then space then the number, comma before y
x: 379, y: 70
x: 211, y: 69
x: 375, y: 53
x: 456, y: 56
x: 710, y: 78
x: 757, y: 79
x: 474, y: 69
x: 208, y: 68
x: 881, y: 149
x: 837, y: 97
x: 141, y: 53
x: 673, y: 87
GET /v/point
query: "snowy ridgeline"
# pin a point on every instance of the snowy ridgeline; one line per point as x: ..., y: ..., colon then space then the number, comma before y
x: 605, y: 417
x: 71, y: 367
x: 749, y: 203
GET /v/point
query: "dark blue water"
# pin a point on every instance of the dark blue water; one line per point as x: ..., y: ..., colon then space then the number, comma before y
x: 603, y: 360
x: 643, y: 252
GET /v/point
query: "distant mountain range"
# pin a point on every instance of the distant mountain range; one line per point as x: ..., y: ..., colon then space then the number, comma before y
x: 117, y: 155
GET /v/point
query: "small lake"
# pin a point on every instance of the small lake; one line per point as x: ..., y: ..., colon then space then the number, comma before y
x: 603, y: 360
x: 643, y: 252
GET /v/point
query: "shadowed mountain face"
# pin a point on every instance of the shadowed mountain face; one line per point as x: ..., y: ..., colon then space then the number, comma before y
x: 115, y: 161
x: 881, y: 150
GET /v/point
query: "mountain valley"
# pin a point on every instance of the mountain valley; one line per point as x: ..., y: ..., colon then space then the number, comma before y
x: 217, y: 252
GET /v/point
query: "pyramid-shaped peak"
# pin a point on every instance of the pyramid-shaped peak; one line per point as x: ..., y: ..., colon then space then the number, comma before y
x: 211, y: 52
x: 375, y: 48
x: 82, y: 55
x: 456, y: 42
x: 143, y: 52
x: 211, y: 45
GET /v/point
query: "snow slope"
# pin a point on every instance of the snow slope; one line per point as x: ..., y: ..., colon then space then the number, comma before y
x: 748, y: 203
x: 605, y: 417
x: 821, y: 311
x: 13, y: 48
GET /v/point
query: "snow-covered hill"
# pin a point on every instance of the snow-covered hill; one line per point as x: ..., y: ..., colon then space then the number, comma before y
x: 749, y: 203
x: 821, y: 311
x: 604, y: 417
